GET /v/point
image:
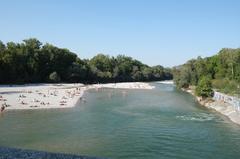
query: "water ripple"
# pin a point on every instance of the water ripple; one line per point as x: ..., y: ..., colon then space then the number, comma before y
x: 201, y: 117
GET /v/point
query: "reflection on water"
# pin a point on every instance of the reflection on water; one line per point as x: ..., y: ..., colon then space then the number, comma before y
x: 160, y: 123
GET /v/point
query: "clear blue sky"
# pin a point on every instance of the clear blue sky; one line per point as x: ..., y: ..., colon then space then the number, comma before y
x: 166, y: 32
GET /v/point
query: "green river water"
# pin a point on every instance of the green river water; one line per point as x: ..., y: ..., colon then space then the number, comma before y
x: 162, y: 123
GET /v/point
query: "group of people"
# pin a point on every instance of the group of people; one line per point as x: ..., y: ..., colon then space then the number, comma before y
x: 36, y: 100
x: 58, y: 97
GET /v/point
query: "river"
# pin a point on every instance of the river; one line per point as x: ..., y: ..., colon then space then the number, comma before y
x: 162, y: 123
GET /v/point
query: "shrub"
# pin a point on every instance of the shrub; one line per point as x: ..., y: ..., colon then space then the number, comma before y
x: 204, y: 88
x: 54, y: 77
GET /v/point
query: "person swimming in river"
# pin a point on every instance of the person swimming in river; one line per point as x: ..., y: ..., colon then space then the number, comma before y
x: 2, y: 108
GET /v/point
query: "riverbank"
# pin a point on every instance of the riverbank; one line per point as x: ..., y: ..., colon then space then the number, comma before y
x: 219, y: 106
x: 166, y: 82
x: 45, y: 96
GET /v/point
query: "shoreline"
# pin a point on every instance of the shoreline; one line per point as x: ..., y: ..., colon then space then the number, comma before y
x: 219, y: 106
x: 48, y: 96
x: 170, y: 82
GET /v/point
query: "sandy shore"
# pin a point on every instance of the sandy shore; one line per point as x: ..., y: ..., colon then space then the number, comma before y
x: 43, y: 96
x: 219, y: 106
x: 124, y: 85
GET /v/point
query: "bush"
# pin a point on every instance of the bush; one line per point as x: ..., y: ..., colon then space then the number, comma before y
x: 227, y: 86
x: 204, y: 88
x: 54, y: 77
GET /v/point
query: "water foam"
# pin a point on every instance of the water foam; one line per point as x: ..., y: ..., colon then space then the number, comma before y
x: 201, y: 117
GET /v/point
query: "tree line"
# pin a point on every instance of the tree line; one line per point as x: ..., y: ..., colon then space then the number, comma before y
x: 220, y: 72
x: 33, y: 62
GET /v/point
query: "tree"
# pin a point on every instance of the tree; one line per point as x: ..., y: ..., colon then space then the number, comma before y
x: 222, y: 69
x: 147, y: 73
x: 31, y: 61
x: 158, y: 72
x: 101, y: 62
x: 204, y: 88
x: 54, y: 77
x: 2, y: 47
x: 78, y: 71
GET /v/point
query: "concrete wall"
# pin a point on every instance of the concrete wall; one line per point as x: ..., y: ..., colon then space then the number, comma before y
x: 234, y: 101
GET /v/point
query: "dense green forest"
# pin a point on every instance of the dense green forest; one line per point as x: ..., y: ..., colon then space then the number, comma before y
x: 220, y: 72
x: 31, y: 62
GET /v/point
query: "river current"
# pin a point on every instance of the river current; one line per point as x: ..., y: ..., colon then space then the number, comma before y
x: 162, y: 123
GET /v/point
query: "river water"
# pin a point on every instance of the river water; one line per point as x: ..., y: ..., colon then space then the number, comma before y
x: 161, y: 123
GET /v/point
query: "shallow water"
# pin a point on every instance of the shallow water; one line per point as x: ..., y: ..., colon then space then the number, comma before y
x: 159, y: 123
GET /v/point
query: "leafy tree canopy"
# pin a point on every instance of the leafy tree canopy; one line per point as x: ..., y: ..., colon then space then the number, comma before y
x: 223, y: 70
x: 32, y: 61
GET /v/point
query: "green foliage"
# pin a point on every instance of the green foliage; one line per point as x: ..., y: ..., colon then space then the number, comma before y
x: 226, y: 86
x: 204, y: 88
x: 32, y: 61
x: 222, y: 69
x: 54, y: 77
x: 182, y: 77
